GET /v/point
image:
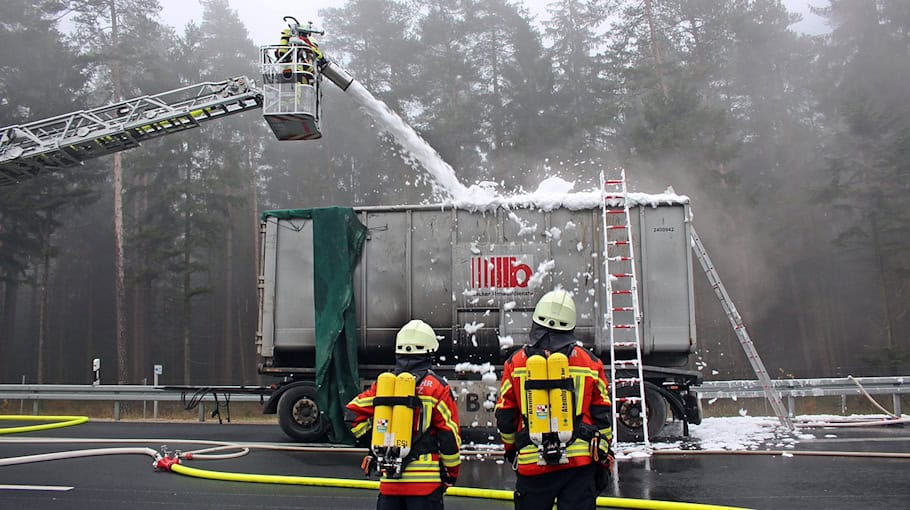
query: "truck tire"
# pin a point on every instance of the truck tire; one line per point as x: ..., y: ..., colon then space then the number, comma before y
x: 628, y: 418
x: 299, y: 415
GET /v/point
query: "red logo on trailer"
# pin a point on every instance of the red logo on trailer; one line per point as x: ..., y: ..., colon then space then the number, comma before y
x: 503, y: 272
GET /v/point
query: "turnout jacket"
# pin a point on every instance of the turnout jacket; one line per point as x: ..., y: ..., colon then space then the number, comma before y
x: 435, y: 428
x: 591, y: 406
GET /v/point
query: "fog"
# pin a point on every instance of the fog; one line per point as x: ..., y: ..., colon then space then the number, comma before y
x: 790, y: 142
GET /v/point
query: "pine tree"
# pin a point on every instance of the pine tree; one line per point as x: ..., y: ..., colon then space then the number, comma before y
x: 865, y: 70
x: 40, y: 78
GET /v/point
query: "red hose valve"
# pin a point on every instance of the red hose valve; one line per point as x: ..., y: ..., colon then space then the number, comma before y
x: 165, y: 463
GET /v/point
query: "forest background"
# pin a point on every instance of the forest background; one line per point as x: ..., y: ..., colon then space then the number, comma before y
x: 793, y: 148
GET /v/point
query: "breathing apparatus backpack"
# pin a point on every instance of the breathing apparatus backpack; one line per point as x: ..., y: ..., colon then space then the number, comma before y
x: 548, y: 411
x: 392, y: 444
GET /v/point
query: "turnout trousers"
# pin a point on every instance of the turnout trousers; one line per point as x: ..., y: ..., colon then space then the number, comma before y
x: 432, y: 501
x: 572, y: 489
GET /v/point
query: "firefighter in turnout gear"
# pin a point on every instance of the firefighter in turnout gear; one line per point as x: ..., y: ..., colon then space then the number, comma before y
x: 554, y: 414
x: 307, y: 54
x: 411, y: 420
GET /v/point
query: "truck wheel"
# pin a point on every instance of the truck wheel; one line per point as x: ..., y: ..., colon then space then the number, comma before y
x: 629, y: 419
x: 299, y: 416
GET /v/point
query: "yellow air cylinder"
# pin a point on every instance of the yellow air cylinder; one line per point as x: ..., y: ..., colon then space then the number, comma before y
x: 382, y: 415
x: 538, y: 402
x: 403, y: 416
x: 560, y: 399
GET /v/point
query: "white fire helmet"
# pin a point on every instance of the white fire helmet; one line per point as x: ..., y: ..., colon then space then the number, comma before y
x: 416, y: 337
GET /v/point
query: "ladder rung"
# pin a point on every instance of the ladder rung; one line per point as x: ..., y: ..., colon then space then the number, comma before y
x: 624, y: 345
x: 611, y: 195
x: 622, y: 275
x: 619, y: 258
x: 625, y: 363
x: 618, y: 292
x: 617, y: 227
x: 633, y: 400
x: 613, y: 181
x: 617, y: 243
x: 630, y: 380
x: 623, y: 309
x: 624, y: 326
x: 616, y: 211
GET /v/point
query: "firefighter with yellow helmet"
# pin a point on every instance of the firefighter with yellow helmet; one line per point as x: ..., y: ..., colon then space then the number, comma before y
x: 306, y: 55
x: 554, y: 413
x: 411, y: 420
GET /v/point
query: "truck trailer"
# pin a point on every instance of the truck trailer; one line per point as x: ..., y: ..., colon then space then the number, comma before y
x: 475, y: 275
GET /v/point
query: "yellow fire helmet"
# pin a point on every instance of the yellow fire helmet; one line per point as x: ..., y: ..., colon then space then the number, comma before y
x: 416, y: 337
x: 556, y: 310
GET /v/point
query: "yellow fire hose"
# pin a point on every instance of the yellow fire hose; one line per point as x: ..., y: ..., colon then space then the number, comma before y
x: 57, y: 422
x: 466, y: 492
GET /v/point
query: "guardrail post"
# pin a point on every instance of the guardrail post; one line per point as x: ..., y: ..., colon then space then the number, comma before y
x: 145, y: 382
x: 21, y: 401
x: 116, y: 410
x: 791, y: 406
x: 843, y: 405
x: 36, y: 408
x: 201, y: 410
x: 896, y: 398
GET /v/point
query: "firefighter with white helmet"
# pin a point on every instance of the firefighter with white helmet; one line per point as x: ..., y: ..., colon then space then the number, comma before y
x: 416, y: 337
x: 568, y: 464
x: 555, y: 310
x: 412, y: 420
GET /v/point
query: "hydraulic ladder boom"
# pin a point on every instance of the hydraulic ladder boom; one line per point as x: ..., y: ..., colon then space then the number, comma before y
x: 28, y: 150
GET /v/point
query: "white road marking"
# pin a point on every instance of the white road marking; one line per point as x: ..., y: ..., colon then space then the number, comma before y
x: 58, y: 488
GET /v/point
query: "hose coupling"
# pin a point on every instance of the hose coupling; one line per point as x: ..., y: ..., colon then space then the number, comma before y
x: 166, y: 459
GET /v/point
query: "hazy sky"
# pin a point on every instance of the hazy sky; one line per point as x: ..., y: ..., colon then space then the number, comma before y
x: 263, y: 17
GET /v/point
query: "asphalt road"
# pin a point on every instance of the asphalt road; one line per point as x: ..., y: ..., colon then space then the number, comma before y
x: 129, y: 481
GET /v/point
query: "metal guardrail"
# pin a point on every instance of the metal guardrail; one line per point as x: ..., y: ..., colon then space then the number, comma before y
x: 130, y: 393
x: 826, y: 387
x: 789, y: 388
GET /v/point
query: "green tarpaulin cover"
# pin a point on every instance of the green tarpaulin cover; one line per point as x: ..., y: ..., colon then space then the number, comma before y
x: 337, y: 242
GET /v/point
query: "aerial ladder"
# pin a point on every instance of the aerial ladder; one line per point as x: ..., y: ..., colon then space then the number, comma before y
x: 290, y: 97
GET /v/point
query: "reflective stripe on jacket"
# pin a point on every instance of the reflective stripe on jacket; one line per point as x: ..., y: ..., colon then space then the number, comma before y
x: 438, y: 418
x: 591, y: 404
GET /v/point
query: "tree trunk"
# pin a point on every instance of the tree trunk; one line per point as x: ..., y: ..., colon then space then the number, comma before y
x: 140, y: 292
x: 43, y: 299
x: 8, y: 324
x: 655, y: 49
x: 120, y: 289
x: 60, y: 329
x: 242, y: 351
x: 254, y: 204
x: 91, y: 346
x: 187, y: 284
x: 227, y: 368
x: 879, y: 256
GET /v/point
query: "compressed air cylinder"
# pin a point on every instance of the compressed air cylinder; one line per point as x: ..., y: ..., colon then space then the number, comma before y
x: 538, y: 401
x: 560, y: 399
x: 382, y: 415
x: 403, y: 416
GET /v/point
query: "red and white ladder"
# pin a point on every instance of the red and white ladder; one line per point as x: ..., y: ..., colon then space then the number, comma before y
x: 623, y: 314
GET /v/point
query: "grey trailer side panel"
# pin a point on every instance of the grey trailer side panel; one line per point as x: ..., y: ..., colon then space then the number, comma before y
x: 572, y: 236
x: 668, y: 320
x: 383, y: 301
x: 431, y: 262
x: 476, y: 277
x: 295, y: 320
x: 481, y: 270
x: 265, y: 338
